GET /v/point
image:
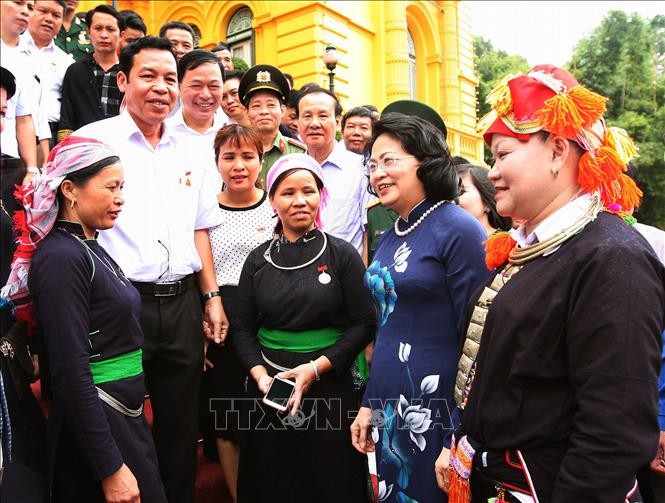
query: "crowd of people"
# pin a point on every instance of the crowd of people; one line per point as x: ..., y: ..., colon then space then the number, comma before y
x: 173, y: 228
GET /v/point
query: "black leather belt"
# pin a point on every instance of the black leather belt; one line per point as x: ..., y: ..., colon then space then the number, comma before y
x: 169, y: 289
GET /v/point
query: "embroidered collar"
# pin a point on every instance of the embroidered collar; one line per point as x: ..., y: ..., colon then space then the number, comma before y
x: 73, y: 228
x: 305, y: 238
x: 561, y: 219
x: 501, y: 247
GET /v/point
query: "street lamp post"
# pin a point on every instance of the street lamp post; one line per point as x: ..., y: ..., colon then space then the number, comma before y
x: 330, y: 58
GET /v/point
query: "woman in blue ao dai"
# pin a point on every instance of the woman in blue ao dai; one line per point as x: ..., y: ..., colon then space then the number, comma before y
x: 424, y: 272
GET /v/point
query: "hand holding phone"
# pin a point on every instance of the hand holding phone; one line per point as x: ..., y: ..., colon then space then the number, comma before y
x: 279, y: 393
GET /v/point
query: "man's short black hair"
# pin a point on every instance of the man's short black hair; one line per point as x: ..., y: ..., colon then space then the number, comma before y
x: 130, y: 19
x: 104, y: 9
x: 221, y: 47
x: 131, y: 50
x: 292, y: 101
x: 62, y: 4
x: 315, y: 88
x: 176, y: 25
x: 360, y: 112
x: 234, y: 74
x: 289, y: 77
x: 196, y: 58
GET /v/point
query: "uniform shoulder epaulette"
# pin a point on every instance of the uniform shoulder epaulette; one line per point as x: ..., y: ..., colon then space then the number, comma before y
x: 373, y: 204
x: 296, y: 143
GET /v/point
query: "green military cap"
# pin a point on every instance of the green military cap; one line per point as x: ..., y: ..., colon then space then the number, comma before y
x: 264, y: 77
x: 417, y: 109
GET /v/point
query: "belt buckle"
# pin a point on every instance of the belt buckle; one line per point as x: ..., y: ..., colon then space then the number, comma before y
x: 166, y: 289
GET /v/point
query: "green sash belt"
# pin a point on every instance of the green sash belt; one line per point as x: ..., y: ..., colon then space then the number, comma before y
x: 307, y: 341
x: 118, y: 367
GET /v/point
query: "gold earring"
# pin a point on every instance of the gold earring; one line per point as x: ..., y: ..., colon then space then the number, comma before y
x: 555, y: 172
x: 72, y: 204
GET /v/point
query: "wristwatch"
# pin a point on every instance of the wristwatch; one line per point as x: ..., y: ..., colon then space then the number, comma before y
x: 207, y: 296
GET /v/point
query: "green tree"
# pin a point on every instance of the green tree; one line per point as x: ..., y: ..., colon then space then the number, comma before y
x: 491, y: 66
x: 239, y: 64
x: 624, y: 59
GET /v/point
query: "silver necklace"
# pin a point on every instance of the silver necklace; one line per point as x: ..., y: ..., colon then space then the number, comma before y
x: 268, y: 258
x: 104, y: 262
x: 417, y: 222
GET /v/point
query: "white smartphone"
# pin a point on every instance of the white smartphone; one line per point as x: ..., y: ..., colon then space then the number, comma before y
x: 279, y: 393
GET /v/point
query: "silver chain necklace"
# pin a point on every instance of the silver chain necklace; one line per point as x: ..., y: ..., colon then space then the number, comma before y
x: 104, y: 262
x: 268, y: 258
x: 417, y: 222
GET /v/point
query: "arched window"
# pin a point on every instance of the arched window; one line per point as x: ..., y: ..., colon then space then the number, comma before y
x: 412, y: 64
x: 240, y: 35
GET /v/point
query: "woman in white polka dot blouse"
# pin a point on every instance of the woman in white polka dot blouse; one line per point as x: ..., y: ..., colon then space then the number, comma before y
x: 248, y: 222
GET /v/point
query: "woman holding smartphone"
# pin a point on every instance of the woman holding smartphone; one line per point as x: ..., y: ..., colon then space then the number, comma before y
x: 303, y: 315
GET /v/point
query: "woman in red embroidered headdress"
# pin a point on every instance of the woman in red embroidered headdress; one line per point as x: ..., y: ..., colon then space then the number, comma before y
x: 559, y: 401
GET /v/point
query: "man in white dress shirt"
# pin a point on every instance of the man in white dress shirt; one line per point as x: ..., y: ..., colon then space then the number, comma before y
x: 345, y: 215
x: 18, y: 138
x: 48, y: 62
x: 161, y: 242
x: 197, y: 121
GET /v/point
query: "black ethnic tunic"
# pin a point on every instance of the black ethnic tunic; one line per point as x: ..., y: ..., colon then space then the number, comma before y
x: 87, y: 311
x: 567, y: 370
x: 309, y: 458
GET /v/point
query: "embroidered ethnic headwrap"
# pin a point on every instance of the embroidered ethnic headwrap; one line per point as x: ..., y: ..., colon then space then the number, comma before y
x: 40, y: 211
x: 550, y: 99
x: 300, y: 161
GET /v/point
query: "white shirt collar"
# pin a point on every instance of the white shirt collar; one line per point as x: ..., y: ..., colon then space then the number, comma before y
x: 132, y: 130
x: 22, y: 46
x: 27, y: 41
x: 342, y: 158
x: 177, y: 121
x: 561, y: 219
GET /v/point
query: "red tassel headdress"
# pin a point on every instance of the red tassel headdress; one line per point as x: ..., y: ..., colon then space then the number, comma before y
x: 550, y: 99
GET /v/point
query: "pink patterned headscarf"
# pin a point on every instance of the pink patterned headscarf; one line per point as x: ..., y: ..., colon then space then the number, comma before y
x: 40, y: 206
x: 300, y: 161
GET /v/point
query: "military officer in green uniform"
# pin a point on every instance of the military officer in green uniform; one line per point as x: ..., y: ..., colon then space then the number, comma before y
x: 264, y: 91
x: 73, y: 35
x: 379, y: 219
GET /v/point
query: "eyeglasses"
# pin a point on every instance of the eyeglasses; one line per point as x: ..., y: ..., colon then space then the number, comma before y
x: 167, y: 264
x: 386, y: 164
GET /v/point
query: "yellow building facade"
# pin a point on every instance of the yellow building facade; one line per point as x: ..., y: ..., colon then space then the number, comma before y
x: 388, y: 50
